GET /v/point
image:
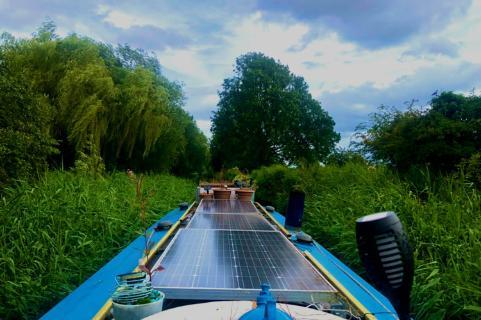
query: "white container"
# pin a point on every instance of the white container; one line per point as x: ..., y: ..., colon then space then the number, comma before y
x: 137, y: 311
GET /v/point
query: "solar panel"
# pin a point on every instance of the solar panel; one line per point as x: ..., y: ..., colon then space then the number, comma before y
x: 230, y: 221
x: 225, y: 206
x: 231, y: 265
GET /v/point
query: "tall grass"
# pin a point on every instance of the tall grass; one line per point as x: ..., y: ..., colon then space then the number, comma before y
x: 444, y: 229
x: 56, y: 233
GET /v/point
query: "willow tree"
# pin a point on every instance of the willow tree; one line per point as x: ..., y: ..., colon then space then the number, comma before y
x: 141, y: 114
x: 105, y: 102
x: 85, y: 95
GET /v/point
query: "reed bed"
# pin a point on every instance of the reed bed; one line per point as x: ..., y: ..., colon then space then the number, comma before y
x: 444, y: 227
x: 56, y: 233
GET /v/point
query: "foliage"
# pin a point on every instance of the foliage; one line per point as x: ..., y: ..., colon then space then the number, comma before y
x: 89, y: 161
x: 471, y: 168
x: 25, y: 118
x: 274, y: 184
x: 231, y: 173
x: 195, y: 160
x: 266, y: 115
x: 243, y: 180
x: 87, y: 94
x: 58, y: 232
x: 440, y: 137
x: 341, y: 157
x: 444, y: 229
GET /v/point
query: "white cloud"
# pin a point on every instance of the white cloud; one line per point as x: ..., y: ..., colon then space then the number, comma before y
x: 205, y: 125
x: 466, y: 31
x: 328, y: 63
x: 255, y: 34
x: 122, y: 20
x: 210, y: 100
x: 332, y: 64
x: 125, y: 17
x: 346, y: 139
x: 189, y: 63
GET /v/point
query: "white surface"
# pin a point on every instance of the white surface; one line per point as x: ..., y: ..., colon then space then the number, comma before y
x: 232, y: 310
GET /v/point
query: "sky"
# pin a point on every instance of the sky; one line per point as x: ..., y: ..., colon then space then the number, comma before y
x: 355, y: 55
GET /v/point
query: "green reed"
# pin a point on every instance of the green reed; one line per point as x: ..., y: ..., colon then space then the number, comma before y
x: 56, y: 233
x: 442, y: 217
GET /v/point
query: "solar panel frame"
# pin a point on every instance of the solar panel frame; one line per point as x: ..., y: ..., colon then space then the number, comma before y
x: 190, y: 277
x: 217, y: 206
x: 230, y: 221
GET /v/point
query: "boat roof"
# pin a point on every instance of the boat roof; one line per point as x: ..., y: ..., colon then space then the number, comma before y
x: 221, y: 244
x: 228, y: 250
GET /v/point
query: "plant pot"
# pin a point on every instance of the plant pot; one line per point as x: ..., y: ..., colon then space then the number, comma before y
x: 244, y: 194
x: 207, y: 196
x: 222, y: 194
x: 137, y: 311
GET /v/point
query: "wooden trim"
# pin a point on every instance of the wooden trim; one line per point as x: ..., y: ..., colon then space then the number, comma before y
x: 343, y: 290
x: 280, y: 226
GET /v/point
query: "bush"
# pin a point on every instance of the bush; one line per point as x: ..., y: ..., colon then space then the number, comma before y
x: 231, y: 173
x: 274, y: 184
x: 438, y: 137
x: 342, y: 157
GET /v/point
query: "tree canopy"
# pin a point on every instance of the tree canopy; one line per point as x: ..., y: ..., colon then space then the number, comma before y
x: 266, y: 115
x: 25, y: 120
x: 84, y: 98
x: 438, y: 137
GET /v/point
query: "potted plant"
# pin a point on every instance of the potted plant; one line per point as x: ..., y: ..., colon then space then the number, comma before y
x: 245, y: 184
x: 134, y: 297
x: 222, y: 193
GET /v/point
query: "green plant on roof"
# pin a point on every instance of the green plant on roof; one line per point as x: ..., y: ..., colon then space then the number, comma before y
x: 140, y: 204
x: 243, y: 180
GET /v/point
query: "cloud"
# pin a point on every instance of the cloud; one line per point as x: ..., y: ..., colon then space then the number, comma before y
x: 311, y: 64
x: 346, y: 139
x: 352, y: 106
x: 202, y: 100
x: 120, y: 19
x: 151, y: 38
x: 204, y: 126
x: 371, y: 24
x: 23, y: 16
x: 355, y: 56
x: 435, y: 46
x: 211, y: 99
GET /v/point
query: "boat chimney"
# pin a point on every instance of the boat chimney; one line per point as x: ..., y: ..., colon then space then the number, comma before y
x: 295, y: 209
